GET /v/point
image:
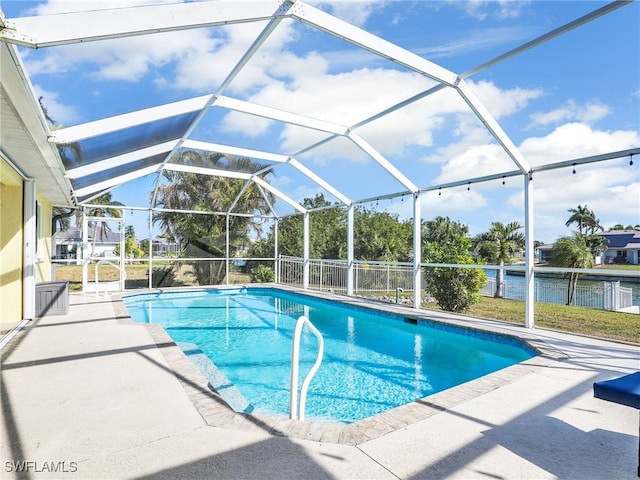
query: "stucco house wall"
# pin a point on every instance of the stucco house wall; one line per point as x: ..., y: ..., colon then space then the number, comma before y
x: 10, y: 247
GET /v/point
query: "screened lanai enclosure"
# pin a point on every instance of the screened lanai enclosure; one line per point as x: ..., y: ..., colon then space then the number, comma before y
x: 260, y: 131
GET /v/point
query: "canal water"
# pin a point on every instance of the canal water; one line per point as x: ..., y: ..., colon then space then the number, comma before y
x: 554, y: 290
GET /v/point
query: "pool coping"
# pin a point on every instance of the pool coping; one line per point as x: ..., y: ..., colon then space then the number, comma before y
x: 217, y: 413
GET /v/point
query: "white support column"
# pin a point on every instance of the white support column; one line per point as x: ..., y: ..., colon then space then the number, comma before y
x: 86, y: 253
x: 417, y: 251
x: 29, y: 257
x: 150, y: 248
x: 305, y: 250
x: 123, y: 254
x: 350, y: 265
x: 529, y: 294
x: 227, y: 250
x: 276, y: 261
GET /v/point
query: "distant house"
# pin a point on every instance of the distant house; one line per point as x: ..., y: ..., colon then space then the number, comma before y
x: 544, y: 253
x: 623, y: 247
x: 69, y: 244
x: 163, y: 247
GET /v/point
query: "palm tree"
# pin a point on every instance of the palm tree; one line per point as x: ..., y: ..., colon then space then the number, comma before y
x: 100, y: 228
x: 204, y: 234
x: 585, y: 219
x: 441, y: 229
x: 70, y: 153
x: 503, y: 241
x: 572, y: 252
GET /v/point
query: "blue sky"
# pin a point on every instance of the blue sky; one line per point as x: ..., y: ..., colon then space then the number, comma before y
x: 574, y: 96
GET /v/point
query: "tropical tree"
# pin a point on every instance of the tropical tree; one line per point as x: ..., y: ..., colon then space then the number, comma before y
x: 377, y: 235
x: 61, y: 218
x: 620, y: 226
x: 572, y: 252
x: 585, y: 220
x: 596, y: 243
x: 382, y: 236
x: 205, y: 235
x: 455, y: 289
x: 101, y: 210
x: 442, y: 229
x: 501, y: 243
x: 131, y: 246
x: 70, y: 153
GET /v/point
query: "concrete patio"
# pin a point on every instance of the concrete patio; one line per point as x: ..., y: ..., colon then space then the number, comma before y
x: 91, y: 395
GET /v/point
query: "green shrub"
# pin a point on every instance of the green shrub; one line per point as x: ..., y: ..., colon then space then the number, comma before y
x: 262, y: 274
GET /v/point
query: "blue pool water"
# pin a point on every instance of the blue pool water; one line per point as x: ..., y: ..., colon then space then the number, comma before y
x: 373, y: 361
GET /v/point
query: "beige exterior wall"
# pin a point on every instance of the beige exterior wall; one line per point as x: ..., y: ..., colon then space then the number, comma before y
x: 10, y: 247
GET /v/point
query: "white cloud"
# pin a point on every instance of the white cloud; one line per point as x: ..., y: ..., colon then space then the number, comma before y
x: 485, y: 39
x: 504, y: 102
x: 477, y: 161
x: 482, y: 9
x: 53, y: 7
x: 576, y: 140
x: 611, y: 189
x: 63, y: 114
x: 611, y: 192
x: 570, y: 111
x: 353, y: 11
x: 350, y: 97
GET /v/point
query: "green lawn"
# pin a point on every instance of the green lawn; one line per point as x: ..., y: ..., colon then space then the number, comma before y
x: 137, y: 276
x: 583, y: 321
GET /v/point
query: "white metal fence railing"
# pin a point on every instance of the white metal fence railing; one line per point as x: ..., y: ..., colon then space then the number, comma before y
x: 381, y: 277
x: 387, y: 277
x: 602, y: 296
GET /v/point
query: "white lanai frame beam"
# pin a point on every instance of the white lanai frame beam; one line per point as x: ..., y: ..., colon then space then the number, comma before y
x: 255, y: 46
x: 271, y: 113
x: 363, y: 39
x: 67, y: 28
x: 237, y: 151
x: 279, y: 194
x: 492, y: 125
x: 121, y: 122
x: 115, y: 181
x: 238, y: 175
x: 273, y: 157
x: 120, y: 160
x: 384, y: 163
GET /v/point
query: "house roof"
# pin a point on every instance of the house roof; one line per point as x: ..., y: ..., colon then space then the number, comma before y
x: 74, y: 235
x: 128, y: 146
x: 623, y: 239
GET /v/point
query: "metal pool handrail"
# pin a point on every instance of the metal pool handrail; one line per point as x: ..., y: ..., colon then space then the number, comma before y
x: 123, y: 277
x: 296, y: 410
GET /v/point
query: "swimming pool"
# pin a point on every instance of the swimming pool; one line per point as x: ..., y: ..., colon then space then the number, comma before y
x: 240, y: 339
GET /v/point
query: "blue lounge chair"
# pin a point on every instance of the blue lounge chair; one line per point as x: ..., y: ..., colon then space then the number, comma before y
x: 625, y: 391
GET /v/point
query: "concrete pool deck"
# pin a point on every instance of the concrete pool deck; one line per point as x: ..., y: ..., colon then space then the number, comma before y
x: 92, y: 395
